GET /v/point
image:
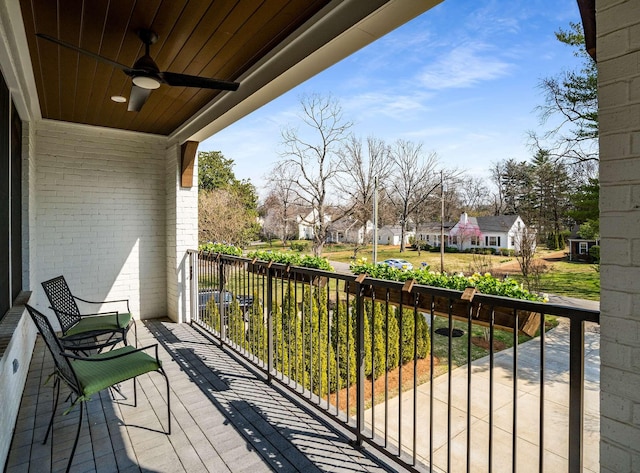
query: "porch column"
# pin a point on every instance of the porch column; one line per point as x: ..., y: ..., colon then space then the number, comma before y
x: 618, y: 52
x: 182, y: 234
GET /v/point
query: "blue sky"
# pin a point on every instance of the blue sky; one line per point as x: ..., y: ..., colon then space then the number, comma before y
x: 463, y: 79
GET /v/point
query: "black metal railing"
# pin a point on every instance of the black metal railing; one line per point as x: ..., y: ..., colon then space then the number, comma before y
x: 383, y: 358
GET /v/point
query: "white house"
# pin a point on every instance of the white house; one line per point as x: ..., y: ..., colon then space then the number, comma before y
x: 349, y: 230
x: 392, y: 235
x: 497, y: 231
x: 430, y: 233
x: 307, y: 224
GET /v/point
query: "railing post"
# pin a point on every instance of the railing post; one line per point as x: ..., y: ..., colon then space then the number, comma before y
x: 360, y: 350
x: 269, y: 323
x: 194, y: 261
x: 576, y: 393
x: 221, y: 308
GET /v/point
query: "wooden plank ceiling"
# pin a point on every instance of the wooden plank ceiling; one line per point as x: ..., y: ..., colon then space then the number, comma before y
x: 211, y: 38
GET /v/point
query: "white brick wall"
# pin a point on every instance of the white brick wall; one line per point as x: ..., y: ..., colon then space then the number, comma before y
x: 182, y: 234
x: 619, y: 100
x: 17, y: 333
x: 100, y: 214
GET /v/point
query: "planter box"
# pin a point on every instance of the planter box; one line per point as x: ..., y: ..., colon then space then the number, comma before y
x: 285, y: 273
x: 503, y: 317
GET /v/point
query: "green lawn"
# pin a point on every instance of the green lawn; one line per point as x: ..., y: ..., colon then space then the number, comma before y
x: 572, y: 279
x: 453, y: 262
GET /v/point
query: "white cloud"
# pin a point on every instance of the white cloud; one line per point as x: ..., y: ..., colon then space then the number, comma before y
x: 464, y: 66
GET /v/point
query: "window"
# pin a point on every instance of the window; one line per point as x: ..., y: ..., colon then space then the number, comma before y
x: 583, y: 248
x: 475, y: 240
x: 10, y: 200
x: 454, y: 240
x: 493, y: 241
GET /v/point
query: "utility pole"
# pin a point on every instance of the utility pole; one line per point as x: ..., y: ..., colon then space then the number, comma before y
x: 441, y: 223
x: 375, y: 219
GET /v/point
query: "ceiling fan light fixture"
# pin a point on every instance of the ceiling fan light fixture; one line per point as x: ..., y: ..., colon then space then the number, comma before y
x: 146, y: 82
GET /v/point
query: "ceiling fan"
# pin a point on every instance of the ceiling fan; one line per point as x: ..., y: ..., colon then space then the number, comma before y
x: 145, y: 74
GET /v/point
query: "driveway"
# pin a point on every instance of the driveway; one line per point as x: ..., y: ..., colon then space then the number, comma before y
x: 556, y: 410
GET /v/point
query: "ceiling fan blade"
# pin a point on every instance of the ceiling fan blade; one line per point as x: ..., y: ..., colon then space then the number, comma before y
x: 126, y: 69
x: 184, y: 80
x: 137, y: 98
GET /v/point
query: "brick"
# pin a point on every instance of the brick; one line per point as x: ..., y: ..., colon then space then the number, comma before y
x: 618, y: 224
x: 613, y: 44
x: 620, y: 330
x: 624, y: 117
x: 620, y: 16
x: 618, y: 408
x: 616, y: 198
x: 620, y: 171
x: 617, y: 69
x: 635, y: 142
x: 615, y: 145
x: 616, y: 251
x: 616, y: 303
x: 617, y: 459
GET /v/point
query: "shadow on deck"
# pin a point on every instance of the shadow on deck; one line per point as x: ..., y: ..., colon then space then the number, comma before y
x: 225, y: 419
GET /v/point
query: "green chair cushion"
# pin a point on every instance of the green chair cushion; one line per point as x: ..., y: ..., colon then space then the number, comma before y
x: 95, y: 376
x: 100, y: 323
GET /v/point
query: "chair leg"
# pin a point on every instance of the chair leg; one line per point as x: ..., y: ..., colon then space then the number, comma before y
x: 135, y: 333
x: 166, y: 378
x: 75, y: 442
x: 135, y: 394
x: 56, y: 387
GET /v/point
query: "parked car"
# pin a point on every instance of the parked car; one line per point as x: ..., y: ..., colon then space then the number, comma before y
x: 244, y: 301
x: 397, y: 263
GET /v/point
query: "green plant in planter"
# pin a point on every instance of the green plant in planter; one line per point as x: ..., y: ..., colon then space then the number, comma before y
x: 221, y: 248
x: 484, y: 283
x: 293, y: 259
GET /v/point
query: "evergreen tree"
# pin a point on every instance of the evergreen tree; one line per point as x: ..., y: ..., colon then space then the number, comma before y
x: 551, y: 188
x: 319, y: 360
x: 392, y: 334
x: 374, y: 339
x: 344, y: 341
x: 292, y: 334
x: 257, y: 330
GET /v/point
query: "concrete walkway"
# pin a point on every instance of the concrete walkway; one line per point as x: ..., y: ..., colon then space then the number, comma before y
x: 527, y: 395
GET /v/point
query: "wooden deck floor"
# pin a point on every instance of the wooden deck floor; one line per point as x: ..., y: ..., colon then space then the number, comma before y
x: 225, y: 419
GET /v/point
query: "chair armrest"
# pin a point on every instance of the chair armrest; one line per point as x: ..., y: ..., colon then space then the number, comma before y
x: 113, y: 357
x: 97, y: 314
x: 103, y: 302
x: 84, y: 343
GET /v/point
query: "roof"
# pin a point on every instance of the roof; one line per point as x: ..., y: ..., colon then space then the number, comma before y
x: 495, y: 223
x: 434, y: 226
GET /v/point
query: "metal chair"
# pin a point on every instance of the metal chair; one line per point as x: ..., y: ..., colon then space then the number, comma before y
x: 86, y: 376
x: 80, y: 331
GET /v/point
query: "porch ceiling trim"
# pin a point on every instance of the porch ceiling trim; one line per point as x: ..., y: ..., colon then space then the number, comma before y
x: 336, y: 32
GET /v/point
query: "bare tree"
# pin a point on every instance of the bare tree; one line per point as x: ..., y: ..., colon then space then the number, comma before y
x: 525, y: 245
x: 474, y: 195
x: 282, y: 202
x: 312, y: 155
x: 359, y: 169
x: 414, y: 180
x: 497, y: 170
